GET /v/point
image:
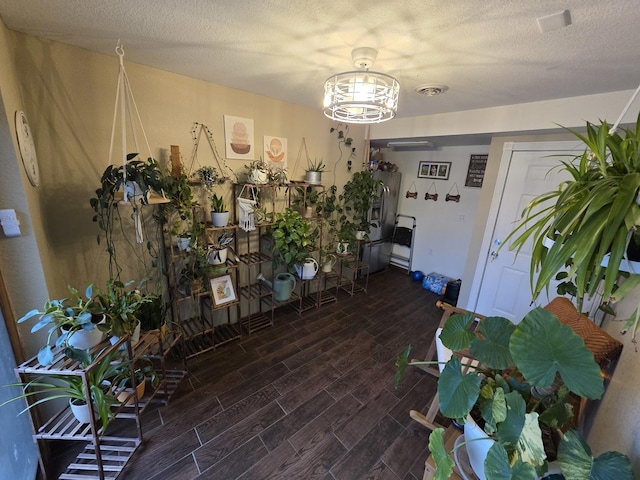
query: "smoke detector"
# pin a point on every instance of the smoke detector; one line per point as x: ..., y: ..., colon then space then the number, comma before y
x: 431, y: 90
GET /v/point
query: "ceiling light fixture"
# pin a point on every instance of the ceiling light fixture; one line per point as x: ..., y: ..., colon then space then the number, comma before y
x: 361, y: 96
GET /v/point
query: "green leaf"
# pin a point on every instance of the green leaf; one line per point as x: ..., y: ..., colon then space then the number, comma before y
x: 510, y: 429
x: 402, y: 362
x: 530, y: 446
x: 455, y: 334
x: 541, y: 346
x: 45, y: 355
x: 492, y: 350
x: 457, y: 392
x: 574, y: 456
x: 444, y: 464
x: 498, y: 467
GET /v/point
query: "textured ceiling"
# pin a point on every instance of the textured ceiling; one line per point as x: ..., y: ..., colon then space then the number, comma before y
x: 489, y: 52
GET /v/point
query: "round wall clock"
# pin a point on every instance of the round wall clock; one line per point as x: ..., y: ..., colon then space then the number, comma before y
x: 27, y: 148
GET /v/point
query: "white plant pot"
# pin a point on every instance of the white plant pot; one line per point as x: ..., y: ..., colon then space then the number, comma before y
x: 183, y: 244
x: 258, y: 177
x: 81, y: 412
x: 135, y: 337
x: 360, y: 235
x: 342, y: 248
x: 217, y: 257
x: 86, y: 339
x: 220, y: 219
x: 478, y: 444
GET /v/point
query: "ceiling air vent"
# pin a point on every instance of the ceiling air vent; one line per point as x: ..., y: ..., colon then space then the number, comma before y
x: 431, y: 90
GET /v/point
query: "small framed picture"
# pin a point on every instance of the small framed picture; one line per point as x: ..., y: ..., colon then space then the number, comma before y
x: 222, y: 290
x: 437, y: 170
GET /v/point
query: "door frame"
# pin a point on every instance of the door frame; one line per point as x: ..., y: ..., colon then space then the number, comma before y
x: 508, y: 149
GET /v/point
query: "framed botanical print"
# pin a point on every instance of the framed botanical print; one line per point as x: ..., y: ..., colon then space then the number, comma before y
x: 437, y: 170
x: 222, y: 290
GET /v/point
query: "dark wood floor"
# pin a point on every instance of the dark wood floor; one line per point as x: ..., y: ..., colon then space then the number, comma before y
x: 310, y: 398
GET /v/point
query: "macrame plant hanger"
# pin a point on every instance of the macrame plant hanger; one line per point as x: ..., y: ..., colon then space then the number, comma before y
x: 221, y: 164
x: 303, y: 147
x: 126, y: 105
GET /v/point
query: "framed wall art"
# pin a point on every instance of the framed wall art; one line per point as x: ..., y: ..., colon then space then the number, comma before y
x: 437, y: 170
x: 222, y: 290
x: 238, y: 138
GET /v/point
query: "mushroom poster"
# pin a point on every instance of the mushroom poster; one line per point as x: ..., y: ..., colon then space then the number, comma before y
x: 275, y: 152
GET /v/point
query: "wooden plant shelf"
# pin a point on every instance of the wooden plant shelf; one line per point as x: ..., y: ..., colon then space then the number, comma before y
x: 115, y: 454
x: 256, y: 322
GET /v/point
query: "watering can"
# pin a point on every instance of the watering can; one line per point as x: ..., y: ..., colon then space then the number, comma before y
x: 329, y: 262
x: 308, y: 269
x: 283, y: 285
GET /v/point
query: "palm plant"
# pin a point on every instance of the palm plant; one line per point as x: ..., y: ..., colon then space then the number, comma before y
x: 588, y: 222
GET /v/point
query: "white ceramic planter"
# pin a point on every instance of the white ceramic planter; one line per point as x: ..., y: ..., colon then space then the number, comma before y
x: 220, y: 219
x: 217, y: 257
x: 360, y: 235
x: 81, y: 412
x: 478, y: 444
x: 258, y: 177
x: 85, y: 339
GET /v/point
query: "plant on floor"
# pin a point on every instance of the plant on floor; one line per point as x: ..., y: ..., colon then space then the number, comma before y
x: 101, y: 367
x: 64, y: 317
x: 520, y: 389
x: 590, y: 220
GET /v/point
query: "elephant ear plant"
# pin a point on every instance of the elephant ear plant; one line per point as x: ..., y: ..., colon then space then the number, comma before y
x: 586, y: 224
x: 521, y: 388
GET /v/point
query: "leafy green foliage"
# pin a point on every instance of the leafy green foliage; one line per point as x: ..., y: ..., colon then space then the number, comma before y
x: 217, y: 204
x: 577, y: 462
x: 537, y: 352
x: 543, y: 347
x: 590, y: 217
x: 457, y: 392
x: 444, y: 464
x: 292, y: 238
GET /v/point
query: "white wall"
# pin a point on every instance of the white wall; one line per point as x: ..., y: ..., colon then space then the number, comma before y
x: 444, y: 229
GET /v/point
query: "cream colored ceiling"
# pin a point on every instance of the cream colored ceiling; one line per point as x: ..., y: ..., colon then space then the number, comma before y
x: 488, y: 52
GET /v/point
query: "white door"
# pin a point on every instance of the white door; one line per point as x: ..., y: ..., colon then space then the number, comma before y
x: 501, y: 283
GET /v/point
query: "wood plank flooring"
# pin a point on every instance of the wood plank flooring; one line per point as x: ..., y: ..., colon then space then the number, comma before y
x: 310, y: 398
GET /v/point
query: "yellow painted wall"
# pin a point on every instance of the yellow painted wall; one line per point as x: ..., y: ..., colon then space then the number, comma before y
x: 69, y: 97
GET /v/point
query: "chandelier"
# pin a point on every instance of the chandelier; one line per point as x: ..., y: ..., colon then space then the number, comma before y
x: 361, y: 96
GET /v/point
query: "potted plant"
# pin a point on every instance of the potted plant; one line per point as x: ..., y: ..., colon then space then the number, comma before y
x: 277, y: 176
x: 257, y: 172
x: 74, y: 319
x: 306, y: 200
x: 101, y: 368
x: 292, y: 239
x: 219, y: 211
x: 313, y: 175
x: 588, y: 224
x: 520, y: 389
x: 358, y: 196
x: 209, y: 177
x: 122, y: 305
x: 124, y: 382
x: 218, y: 249
x: 139, y: 179
x: 152, y: 313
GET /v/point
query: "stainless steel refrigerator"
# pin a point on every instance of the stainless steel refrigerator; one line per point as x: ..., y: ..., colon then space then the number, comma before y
x: 383, y: 216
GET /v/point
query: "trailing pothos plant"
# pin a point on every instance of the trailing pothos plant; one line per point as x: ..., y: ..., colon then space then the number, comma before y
x: 293, y: 236
x: 587, y: 223
x: 520, y: 388
x: 147, y: 175
x: 357, y: 198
